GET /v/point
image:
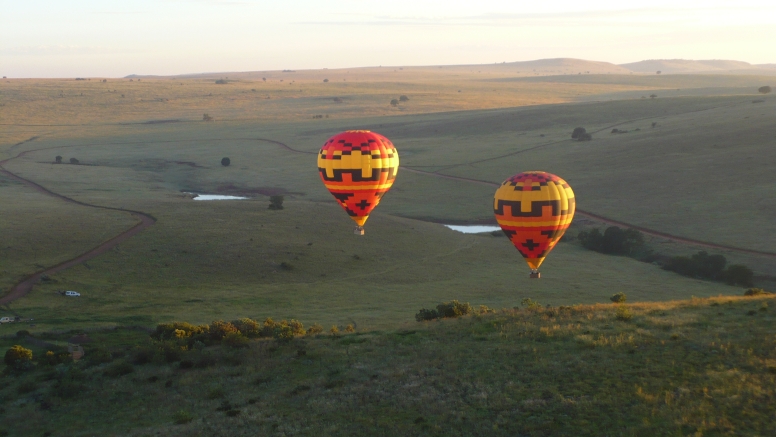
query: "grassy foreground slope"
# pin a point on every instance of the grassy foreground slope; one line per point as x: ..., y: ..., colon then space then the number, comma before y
x: 701, y: 367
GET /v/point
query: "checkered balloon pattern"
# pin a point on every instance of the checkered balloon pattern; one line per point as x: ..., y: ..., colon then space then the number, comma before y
x: 358, y: 167
x: 534, y: 209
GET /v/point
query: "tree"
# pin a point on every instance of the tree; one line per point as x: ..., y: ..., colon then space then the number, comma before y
x: 764, y: 89
x: 226, y: 161
x: 207, y: 117
x: 276, y: 202
x: 58, y: 159
x: 403, y: 98
x: 577, y: 132
x: 738, y: 274
x: 221, y: 82
x: 394, y: 102
x: 658, y: 71
x: 74, y: 161
x: 652, y: 96
x: 325, y: 80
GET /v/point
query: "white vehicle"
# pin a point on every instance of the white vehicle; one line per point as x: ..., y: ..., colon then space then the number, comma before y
x: 6, y: 320
x: 72, y: 293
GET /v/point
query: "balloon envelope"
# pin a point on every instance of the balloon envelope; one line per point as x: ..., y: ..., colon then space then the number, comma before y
x: 358, y: 167
x: 534, y: 209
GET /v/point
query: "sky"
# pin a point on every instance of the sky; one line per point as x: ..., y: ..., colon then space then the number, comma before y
x: 109, y: 38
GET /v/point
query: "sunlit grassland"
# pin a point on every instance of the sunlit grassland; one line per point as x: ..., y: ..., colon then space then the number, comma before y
x: 695, y: 367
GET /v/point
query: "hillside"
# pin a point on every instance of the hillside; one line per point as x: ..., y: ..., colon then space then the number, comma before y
x: 699, y: 367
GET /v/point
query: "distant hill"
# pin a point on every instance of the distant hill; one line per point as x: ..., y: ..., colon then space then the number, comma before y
x: 569, y: 65
x: 674, y: 66
x: 766, y: 65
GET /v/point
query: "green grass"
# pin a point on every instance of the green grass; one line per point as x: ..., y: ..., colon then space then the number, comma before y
x: 699, y: 367
x: 206, y: 260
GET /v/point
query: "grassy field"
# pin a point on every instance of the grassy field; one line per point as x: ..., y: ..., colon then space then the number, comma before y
x: 207, y: 260
x: 701, y: 367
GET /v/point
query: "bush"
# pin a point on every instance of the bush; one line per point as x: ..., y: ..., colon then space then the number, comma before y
x: 119, y: 368
x: 51, y: 358
x: 166, y: 331
x: 652, y: 96
x: 403, y: 98
x: 424, y: 315
x: 738, y: 274
x: 614, y: 241
x: 618, y: 297
x: 207, y: 117
x: 325, y: 80
x: 314, y: 329
x: 235, y: 340
x: 276, y: 202
x: 220, y: 329
x: 58, y: 159
x: 764, y: 89
x: 700, y: 265
x: 226, y: 161
x: 623, y: 313
x: 74, y: 161
x: 18, y: 357
x: 221, y: 82
x: 585, y: 137
x: 453, y: 309
x: 248, y: 327
x: 350, y: 328
x: 394, y: 102
x: 530, y: 303
x: 577, y: 132
x: 755, y: 292
x: 143, y: 355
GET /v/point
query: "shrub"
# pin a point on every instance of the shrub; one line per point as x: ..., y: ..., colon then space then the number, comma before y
x: 337, y: 100
x: 286, y: 266
x: 206, y: 117
x: 297, y: 328
x: 74, y: 161
x: 220, y: 329
x: 334, y: 330
x: 530, y: 303
x: 394, y: 102
x: 403, y: 98
x: 738, y: 274
x: 755, y: 292
x: 654, y: 123
x: 51, y: 358
x: 350, y: 328
x: 248, y: 327
x: 623, y: 313
x: 58, y: 159
x: 618, y: 297
x: 226, y: 161
x: 453, y: 309
x: 325, y: 80
x: 178, y: 330
x: 764, y: 89
x: 221, y: 82
x: 276, y: 202
x: 577, y: 132
x: 143, y: 355
x: 585, y: 137
x: 424, y: 315
x: 18, y: 357
x: 652, y: 96
x: 23, y: 333
x: 614, y: 241
x: 119, y: 368
x: 314, y: 329
x: 182, y: 417
x: 235, y: 340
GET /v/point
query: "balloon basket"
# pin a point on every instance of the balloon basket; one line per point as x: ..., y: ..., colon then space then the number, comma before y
x: 535, y: 275
x: 359, y: 230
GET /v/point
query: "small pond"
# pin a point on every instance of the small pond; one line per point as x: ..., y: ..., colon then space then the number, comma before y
x: 474, y: 229
x: 216, y: 197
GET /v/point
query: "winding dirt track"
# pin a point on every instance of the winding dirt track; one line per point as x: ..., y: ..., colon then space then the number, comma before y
x: 146, y: 220
x: 25, y: 286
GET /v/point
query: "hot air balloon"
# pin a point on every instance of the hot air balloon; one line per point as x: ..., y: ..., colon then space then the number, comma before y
x: 358, y: 167
x: 534, y: 209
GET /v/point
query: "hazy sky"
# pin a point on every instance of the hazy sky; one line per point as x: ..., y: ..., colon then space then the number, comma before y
x: 47, y: 38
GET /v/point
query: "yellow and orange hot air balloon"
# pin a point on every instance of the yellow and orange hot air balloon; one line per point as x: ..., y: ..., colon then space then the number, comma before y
x: 534, y: 209
x: 358, y: 167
